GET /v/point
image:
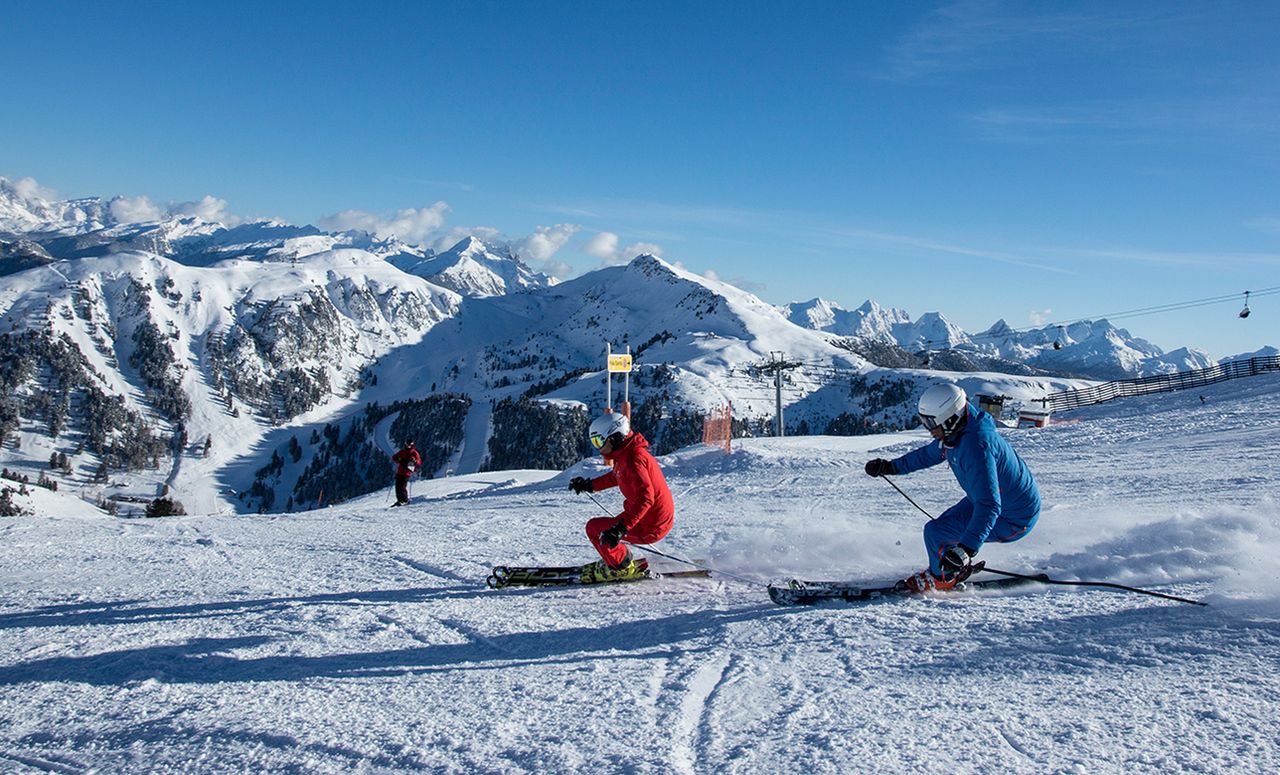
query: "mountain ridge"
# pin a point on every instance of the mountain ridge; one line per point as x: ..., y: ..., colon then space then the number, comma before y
x: 261, y: 341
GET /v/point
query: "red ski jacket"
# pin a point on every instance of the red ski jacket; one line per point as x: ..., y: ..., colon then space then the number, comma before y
x: 647, y: 507
x: 409, y: 460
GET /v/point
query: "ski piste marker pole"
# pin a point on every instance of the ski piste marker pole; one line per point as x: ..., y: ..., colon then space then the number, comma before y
x: 651, y: 550
x: 982, y: 566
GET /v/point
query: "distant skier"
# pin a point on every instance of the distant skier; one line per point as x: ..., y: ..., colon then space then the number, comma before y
x: 647, y: 507
x: 1001, y: 500
x: 408, y: 461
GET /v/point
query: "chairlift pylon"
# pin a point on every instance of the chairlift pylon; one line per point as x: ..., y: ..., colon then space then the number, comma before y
x: 1244, y: 313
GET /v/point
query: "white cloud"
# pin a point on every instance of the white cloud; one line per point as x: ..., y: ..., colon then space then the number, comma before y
x: 638, y: 248
x: 209, y: 208
x: 28, y: 189
x: 1039, y: 317
x: 134, y: 209
x: 140, y: 209
x: 604, y: 246
x: 545, y: 241
x: 413, y: 225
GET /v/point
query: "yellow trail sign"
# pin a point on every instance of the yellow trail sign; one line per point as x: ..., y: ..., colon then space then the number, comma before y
x: 619, y: 364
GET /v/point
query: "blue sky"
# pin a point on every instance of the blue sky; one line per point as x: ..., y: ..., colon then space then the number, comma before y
x: 1036, y: 162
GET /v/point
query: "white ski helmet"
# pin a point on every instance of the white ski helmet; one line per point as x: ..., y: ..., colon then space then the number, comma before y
x: 942, y: 406
x: 606, y: 425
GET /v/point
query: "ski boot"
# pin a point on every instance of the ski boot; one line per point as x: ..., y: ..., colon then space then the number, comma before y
x: 925, y: 581
x: 599, y: 572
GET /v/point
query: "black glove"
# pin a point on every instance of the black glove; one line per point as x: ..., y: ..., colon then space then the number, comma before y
x: 613, y: 536
x: 580, y: 484
x: 956, y: 559
x: 880, y: 467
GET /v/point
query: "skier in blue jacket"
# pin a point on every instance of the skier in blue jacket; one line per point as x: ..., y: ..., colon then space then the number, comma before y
x: 1001, y: 500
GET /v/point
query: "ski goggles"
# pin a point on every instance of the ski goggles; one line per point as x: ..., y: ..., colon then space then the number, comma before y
x: 597, y: 440
x: 928, y: 421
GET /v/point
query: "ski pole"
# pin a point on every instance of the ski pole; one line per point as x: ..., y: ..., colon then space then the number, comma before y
x: 651, y: 550
x: 908, y: 497
x: 982, y: 566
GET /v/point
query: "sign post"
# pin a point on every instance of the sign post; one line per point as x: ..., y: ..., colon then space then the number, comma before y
x: 621, y: 364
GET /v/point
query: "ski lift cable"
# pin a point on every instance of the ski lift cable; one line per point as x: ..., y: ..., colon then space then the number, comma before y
x: 1169, y: 307
x: 1125, y: 314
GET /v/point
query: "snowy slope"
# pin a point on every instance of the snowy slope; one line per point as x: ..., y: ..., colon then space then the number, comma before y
x: 328, y: 315
x: 362, y: 639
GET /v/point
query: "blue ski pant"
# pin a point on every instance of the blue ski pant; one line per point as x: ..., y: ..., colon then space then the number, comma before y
x: 944, y: 532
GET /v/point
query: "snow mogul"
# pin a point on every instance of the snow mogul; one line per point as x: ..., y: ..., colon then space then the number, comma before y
x: 407, y: 462
x: 647, y: 509
x: 1001, y: 500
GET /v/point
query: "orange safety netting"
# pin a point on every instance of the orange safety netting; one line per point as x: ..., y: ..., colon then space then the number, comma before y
x: 717, y: 428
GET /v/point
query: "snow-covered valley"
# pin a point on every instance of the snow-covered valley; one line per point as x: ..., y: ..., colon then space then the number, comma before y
x: 362, y: 638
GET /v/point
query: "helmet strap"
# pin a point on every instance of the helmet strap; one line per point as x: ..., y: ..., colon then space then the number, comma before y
x: 951, y: 436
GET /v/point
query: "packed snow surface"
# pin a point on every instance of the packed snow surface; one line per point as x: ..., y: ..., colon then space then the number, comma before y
x: 362, y: 638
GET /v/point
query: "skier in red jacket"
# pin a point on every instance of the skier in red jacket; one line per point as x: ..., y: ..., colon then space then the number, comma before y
x: 408, y: 461
x: 647, y: 507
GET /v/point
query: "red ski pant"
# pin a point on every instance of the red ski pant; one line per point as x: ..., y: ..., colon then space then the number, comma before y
x: 638, y: 534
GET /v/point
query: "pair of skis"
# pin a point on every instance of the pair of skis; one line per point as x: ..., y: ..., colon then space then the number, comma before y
x: 797, y: 592
x: 794, y: 592
x: 573, y: 575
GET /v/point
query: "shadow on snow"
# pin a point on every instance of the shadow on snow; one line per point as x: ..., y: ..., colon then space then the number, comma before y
x: 210, y: 661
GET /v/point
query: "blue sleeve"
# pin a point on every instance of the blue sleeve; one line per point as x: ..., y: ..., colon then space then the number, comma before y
x: 982, y: 485
x: 928, y: 455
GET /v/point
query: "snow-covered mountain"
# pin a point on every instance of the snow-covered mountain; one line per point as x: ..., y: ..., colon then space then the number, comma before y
x: 24, y: 209
x: 472, y: 269
x: 22, y: 255
x: 278, y: 364
x: 199, y: 362
x: 870, y: 321
x: 1265, y: 352
x: 1092, y: 349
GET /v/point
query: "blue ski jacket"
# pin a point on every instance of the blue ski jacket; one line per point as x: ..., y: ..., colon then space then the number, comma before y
x: 989, y: 471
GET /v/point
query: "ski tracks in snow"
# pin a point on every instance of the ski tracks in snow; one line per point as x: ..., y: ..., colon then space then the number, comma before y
x: 45, y: 765
x: 430, y: 570
x: 694, y: 725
